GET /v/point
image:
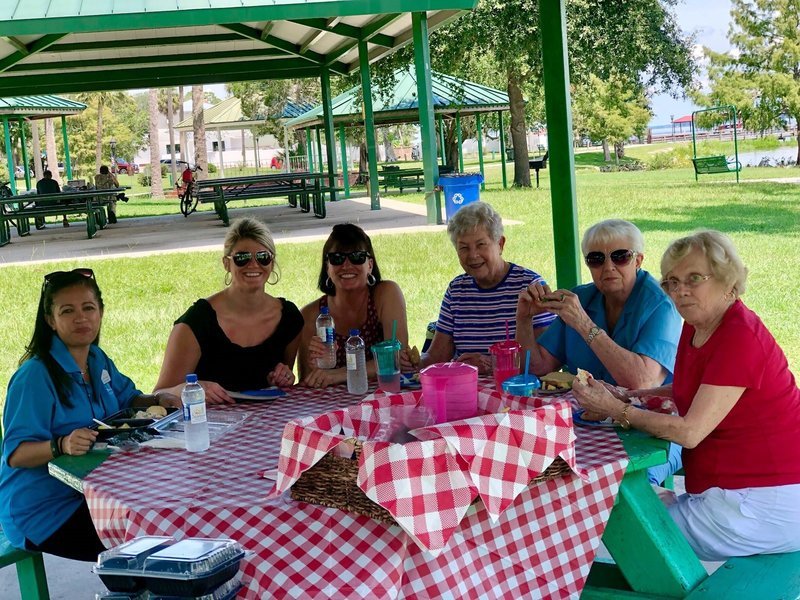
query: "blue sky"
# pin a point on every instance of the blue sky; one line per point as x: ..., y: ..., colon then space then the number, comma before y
x: 708, y: 20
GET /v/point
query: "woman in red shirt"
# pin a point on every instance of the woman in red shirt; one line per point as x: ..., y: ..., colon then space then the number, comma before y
x: 738, y: 409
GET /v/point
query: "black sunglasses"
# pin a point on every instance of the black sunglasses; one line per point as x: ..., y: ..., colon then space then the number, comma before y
x: 56, y: 275
x: 619, y: 257
x: 240, y: 259
x: 356, y: 257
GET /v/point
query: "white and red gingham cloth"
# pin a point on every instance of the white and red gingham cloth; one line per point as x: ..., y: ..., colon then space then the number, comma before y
x: 428, y: 485
x: 541, y: 545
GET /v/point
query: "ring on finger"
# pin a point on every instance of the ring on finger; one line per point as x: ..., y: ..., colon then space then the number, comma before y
x: 562, y: 297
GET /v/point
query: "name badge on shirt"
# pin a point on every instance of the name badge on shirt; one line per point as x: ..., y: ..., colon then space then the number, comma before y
x: 105, y: 377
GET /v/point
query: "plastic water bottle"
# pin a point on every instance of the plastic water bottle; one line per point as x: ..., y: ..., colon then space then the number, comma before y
x: 327, y: 333
x: 356, y: 364
x: 195, y: 423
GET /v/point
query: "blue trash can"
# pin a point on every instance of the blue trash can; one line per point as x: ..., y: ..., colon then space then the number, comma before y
x: 459, y: 190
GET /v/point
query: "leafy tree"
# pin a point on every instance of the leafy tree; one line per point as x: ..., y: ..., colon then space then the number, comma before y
x: 611, y: 110
x: 100, y: 101
x: 761, y: 76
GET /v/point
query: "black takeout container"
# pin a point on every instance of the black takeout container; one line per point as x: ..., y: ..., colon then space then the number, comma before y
x: 127, y: 417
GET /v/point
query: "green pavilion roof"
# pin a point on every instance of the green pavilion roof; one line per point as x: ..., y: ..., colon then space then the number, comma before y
x: 86, y: 45
x: 450, y: 95
x: 39, y: 107
x: 227, y: 114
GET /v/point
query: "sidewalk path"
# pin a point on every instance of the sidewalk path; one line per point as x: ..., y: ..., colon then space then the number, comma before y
x: 203, y: 231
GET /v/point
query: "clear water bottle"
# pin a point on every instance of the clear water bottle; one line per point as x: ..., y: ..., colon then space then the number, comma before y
x: 356, y: 364
x: 195, y: 423
x: 327, y: 333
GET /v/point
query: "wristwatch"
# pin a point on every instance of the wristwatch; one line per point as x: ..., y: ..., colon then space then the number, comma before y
x: 593, y: 333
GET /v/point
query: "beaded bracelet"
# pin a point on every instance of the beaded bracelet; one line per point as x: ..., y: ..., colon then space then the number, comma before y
x: 55, y: 447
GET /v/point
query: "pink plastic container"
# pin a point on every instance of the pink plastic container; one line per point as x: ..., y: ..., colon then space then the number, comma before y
x: 450, y: 390
x: 505, y: 361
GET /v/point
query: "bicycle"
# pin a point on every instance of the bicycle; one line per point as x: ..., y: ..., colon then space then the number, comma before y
x: 187, y: 193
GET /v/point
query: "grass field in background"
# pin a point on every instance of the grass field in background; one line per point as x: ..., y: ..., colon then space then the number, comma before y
x: 145, y: 295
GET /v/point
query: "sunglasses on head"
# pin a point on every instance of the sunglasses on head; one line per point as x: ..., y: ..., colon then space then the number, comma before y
x: 356, y: 257
x: 619, y: 257
x: 240, y: 259
x: 56, y: 275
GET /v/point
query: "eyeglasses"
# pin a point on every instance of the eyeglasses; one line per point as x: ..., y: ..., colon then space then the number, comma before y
x: 672, y: 284
x: 240, y: 259
x: 619, y: 257
x: 356, y: 257
x: 56, y: 275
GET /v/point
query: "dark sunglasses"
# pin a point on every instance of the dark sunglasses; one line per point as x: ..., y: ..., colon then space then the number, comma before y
x: 240, y: 259
x: 356, y: 257
x: 56, y: 275
x: 618, y: 257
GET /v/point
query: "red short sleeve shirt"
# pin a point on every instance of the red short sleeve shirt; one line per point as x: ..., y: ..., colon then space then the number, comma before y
x: 758, y: 443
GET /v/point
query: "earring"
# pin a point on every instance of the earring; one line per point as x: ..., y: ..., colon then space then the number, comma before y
x: 228, y: 278
x: 329, y: 284
x: 371, y: 279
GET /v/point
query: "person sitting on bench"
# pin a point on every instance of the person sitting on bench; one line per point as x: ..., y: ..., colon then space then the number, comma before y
x: 47, y: 185
x: 106, y: 180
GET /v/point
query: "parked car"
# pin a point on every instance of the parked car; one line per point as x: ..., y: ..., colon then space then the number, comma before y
x: 19, y: 172
x: 123, y: 167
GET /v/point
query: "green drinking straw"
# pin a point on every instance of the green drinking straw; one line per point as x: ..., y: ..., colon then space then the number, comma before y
x: 394, y: 330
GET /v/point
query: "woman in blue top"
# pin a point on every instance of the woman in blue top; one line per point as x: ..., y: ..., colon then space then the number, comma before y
x: 63, y: 382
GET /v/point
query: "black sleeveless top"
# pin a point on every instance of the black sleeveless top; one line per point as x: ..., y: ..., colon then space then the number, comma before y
x: 232, y: 366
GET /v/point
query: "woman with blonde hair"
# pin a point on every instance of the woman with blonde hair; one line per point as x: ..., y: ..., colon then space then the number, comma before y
x: 240, y: 338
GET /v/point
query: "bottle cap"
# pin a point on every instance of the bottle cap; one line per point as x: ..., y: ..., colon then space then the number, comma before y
x: 191, y: 378
x: 354, y: 332
x: 324, y: 310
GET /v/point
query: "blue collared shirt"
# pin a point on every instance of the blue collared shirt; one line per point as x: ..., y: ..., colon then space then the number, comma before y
x: 649, y: 325
x: 32, y: 503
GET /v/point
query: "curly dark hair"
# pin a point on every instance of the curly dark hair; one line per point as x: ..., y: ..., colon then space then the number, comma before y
x: 345, y: 237
x: 42, y: 340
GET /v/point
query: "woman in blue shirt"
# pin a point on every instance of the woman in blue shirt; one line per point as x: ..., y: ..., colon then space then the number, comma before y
x: 63, y: 382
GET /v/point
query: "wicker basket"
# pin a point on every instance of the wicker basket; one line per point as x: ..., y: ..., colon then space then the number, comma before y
x: 332, y: 482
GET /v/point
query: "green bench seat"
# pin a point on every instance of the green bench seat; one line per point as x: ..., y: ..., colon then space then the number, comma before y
x: 708, y: 165
x: 401, y: 178
x: 30, y: 570
x: 761, y: 577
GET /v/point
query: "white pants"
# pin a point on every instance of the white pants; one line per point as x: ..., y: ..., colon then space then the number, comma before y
x: 719, y: 524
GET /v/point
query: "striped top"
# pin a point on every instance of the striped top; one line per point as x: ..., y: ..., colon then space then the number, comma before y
x: 476, y: 318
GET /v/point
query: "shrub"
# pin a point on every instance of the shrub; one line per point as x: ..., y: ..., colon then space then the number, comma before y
x: 144, y: 180
x: 212, y: 168
x: 662, y: 160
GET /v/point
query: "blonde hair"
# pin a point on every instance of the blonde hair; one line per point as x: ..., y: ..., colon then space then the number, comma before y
x: 723, y: 259
x: 613, y: 229
x: 248, y: 228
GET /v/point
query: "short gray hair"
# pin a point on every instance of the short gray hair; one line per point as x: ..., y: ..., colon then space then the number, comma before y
x: 610, y: 230
x: 723, y: 258
x: 249, y: 228
x: 473, y: 216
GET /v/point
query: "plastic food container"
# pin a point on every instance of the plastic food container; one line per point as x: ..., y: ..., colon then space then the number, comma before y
x: 227, y: 591
x: 120, y: 568
x: 125, y: 421
x: 192, y: 567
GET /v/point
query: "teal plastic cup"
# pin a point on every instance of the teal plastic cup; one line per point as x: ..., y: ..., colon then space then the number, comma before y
x: 387, y: 364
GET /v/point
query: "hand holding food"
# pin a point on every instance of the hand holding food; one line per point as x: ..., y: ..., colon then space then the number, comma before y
x: 409, y: 359
x: 78, y: 442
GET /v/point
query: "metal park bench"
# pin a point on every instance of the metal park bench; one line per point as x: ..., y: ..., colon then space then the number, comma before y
x: 538, y: 163
x: 18, y: 210
x: 296, y: 187
x: 394, y: 176
x: 708, y: 165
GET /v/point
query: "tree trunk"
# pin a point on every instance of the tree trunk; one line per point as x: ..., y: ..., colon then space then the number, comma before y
x: 619, y: 149
x: 363, y: 164
x: 37, y: 149
x: 50, y: 145
x: 519, y: 137
x: 171, y: 129
x: 156, y: 187
x: 451, y: 145
x: 199, y: 126
x: 181, y: 117
x: 606, y: 151
x: 388, y: 150
x: 797, y: 137
x: 98, y: 150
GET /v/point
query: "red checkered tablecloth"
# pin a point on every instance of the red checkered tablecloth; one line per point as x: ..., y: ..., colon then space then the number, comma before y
x: 541, y: 545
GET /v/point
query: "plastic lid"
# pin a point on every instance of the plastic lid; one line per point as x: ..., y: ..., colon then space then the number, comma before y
x: 504, y: 347
x: 192, y: 558
x: 131, y: 555
x: 523, y: 381
x: 450, y: 369
x: 388, y: 344
x: 191, y: 378
x: 354, y: 332
x: 324, y: 310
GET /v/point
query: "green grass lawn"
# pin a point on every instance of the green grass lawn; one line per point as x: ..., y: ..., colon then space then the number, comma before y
x: 145, y: 295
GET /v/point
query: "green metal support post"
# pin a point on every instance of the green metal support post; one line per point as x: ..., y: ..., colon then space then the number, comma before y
x: 369, y: 125
x: 441, y: 140
x: 319, y: 150
x: 24, y: 154
x: 12, y: 181
x: 502, y: 148
x: 460, y: 143
x: 479, y: 128
x: 330, y: 139
x: 553, y: 25
x: 309, y: 150
x: 345, y: 166
x: 427, y: 126
x: 67, y: 161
